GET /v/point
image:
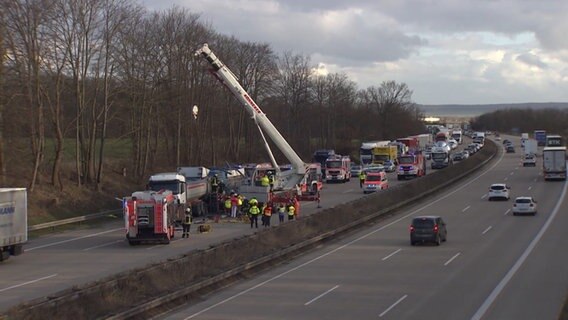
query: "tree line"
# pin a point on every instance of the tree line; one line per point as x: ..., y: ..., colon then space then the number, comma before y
x: 516, y: 120
x: 89, y: 71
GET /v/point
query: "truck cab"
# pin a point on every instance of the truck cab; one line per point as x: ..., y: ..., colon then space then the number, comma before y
x: 411, y: 166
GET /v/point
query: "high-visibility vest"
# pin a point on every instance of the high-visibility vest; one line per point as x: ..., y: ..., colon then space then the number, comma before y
x: 254, y: 210
x: 188, y: 219
x: 264, y: 181
x: 281, y: 210
x: 362, y: 176
x: 228, y: 203
x: 268, y: 211
x: 291, y: 210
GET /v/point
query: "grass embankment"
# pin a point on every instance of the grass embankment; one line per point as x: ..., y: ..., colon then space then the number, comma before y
x: 48, y: 203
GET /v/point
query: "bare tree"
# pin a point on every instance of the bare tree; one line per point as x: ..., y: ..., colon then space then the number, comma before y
x: 2, y: 97
x: 26, y: 21
x: 292, y: 89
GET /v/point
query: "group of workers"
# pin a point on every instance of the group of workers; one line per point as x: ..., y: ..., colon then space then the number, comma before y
x: 265, y: 211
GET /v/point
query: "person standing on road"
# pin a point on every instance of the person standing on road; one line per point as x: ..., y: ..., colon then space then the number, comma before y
x: 227, y: 205
x: 254, y: 211
x: 362, y: 178
x: 187, y: 220
x: 291, y: 212
x: 234, y: 205
x: 281, y: 213
x: 267, y: 214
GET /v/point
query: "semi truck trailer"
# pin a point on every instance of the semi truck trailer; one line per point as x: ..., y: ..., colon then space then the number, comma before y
x: 13, y: 221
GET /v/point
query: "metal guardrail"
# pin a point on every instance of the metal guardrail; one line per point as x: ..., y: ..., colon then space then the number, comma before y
x: 58, y: 223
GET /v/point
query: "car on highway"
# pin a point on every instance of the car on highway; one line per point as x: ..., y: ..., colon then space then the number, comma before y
x: 389, y: 166
x: 471, y: 148
x: 506, y: 141
x: 529, y: 160
x: 373, y: 168
x: 510, y: 149
x: 375, y: 181
x: 428, y: 229
x: 459, y: 156
x: 524, y: 205
x: 498, y: 191
x: 453, y: 144
x: 356, y: 170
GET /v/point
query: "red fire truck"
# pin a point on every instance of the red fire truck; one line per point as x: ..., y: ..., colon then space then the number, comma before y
x: 151, y: 216
x: 338, y: 168
x: 411, y: 165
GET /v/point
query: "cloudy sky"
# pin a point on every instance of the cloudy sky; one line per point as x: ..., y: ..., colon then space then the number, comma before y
x: 446, y: 51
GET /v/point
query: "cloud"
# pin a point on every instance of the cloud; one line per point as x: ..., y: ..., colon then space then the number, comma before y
x: 447, y: 51
x: 532, y: 60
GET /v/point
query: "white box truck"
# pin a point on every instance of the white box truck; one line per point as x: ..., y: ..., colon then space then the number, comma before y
x: 530, y: 153
x: 554, y: 163
x: 13, y: 221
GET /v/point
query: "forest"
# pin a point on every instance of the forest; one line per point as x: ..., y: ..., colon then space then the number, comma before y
x: 95, y: 95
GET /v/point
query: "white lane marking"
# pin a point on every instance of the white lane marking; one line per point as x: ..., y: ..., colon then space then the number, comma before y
x: 512, y: 173
x: 321, y: 295
x: 516, y: 168
x: 530, y: 187
x: 465, y: 209
x: 497, y: 290
x: 393, y: 305
x: 74, y: 239
x: 452, y: 258
x: 487, y: 230
x: 484, y: 196
x: 506, y: 179
x: 535, y: 179
x: 103, y: 245
x: 347, y: 191
x: 345, y: 245
x: 506, y: 212
x: 392, y: 254
x: 29, y: 282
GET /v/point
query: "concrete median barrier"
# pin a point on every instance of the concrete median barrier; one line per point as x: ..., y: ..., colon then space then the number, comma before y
x: 129, y: 295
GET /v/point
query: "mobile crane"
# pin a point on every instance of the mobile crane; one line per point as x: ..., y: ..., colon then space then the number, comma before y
x: 286, y: 182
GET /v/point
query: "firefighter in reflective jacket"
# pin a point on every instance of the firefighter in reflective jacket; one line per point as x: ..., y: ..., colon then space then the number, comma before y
x: 291, y: 212
x: 265, y: 181
x: 362, y: 178
x: 186, y: 224
x: 254, y: 211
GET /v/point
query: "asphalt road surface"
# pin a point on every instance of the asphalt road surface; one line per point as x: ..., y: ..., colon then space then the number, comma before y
x: 493, y: 266
x: 59, y: 261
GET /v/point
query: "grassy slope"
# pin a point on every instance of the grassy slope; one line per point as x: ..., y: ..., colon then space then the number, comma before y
x: 46, y: 203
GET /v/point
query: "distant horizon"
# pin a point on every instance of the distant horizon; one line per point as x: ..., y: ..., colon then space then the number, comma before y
x: 474, y: 110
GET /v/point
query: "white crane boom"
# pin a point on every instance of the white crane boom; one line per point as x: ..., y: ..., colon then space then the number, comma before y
x: 226, y: 77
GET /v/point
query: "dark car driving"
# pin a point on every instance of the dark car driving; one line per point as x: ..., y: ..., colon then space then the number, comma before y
x: 426, y: 229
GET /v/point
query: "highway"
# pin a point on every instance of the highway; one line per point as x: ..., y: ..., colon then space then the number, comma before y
x: 493, y: 266
x: 59, y: 261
